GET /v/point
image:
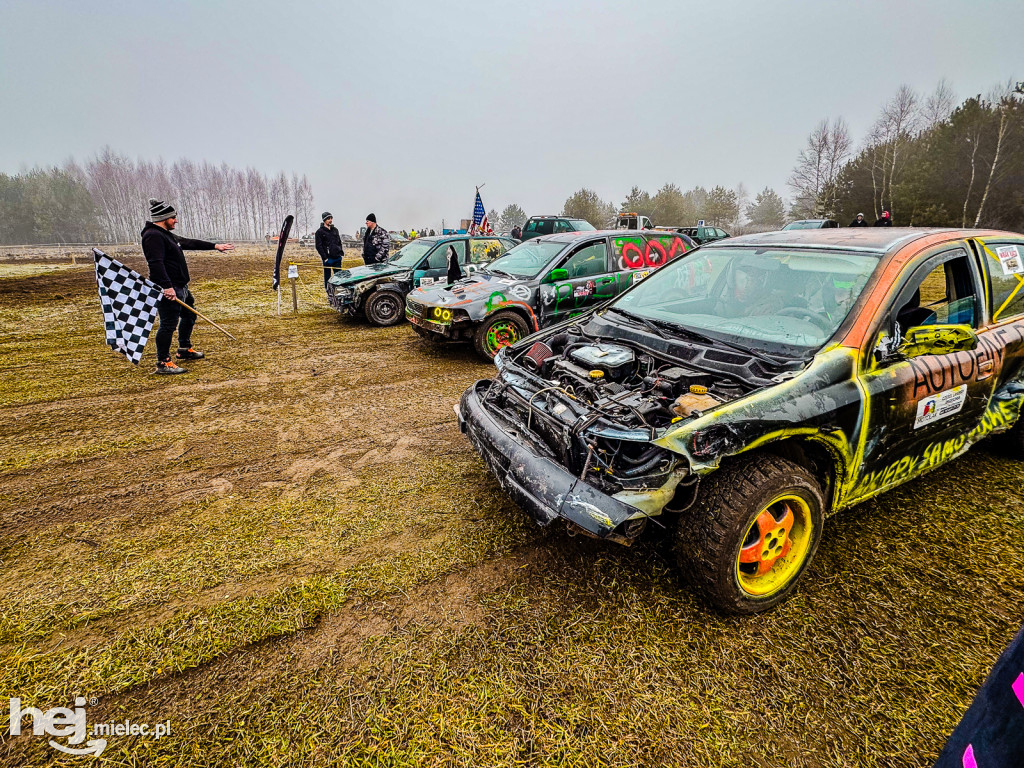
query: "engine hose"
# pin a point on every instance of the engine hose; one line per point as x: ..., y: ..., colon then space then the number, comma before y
x: 647, y: 466
x: 643, y: 457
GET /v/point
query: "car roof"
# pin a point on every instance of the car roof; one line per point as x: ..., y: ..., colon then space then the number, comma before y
x: 442, y: 238
x: 876, y: 240
x: 555, y: 216
x: 570, y: 237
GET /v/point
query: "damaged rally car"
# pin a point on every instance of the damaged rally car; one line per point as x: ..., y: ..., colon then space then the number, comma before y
x: 538, y: 283
x: 744, y: 392
x: 377, y: 291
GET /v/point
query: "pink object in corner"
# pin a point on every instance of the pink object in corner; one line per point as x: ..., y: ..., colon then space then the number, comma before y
x: 1018, y: 688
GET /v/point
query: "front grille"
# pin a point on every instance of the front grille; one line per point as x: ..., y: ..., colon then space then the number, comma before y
x: 415, y: 307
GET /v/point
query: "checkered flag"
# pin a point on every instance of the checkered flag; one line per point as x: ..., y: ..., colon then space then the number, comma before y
x: 129, y: 305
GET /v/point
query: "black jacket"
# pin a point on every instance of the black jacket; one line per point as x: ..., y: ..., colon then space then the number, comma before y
x: 376, y: 245
x: 861, y: 223
x: 328, y: 243
x: 886, y: 222
x: 165, y: 254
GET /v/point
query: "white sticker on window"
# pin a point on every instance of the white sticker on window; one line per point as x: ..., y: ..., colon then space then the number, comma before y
x: 940, y: 405
x: 1010, y: 260
x: 426, y: 281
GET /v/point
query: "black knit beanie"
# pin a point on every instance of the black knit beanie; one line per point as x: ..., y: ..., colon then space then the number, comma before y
x: 160, y: 211
x: 371, y: 217
x: 326, y: 215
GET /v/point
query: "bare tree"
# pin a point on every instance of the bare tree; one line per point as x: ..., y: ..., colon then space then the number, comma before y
x: 938, y: 105
x: 1003, y: 97
x: 813, y: 180
x: 894, y: 129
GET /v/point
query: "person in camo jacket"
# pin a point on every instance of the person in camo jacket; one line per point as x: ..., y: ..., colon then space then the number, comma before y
x: 376, y: 243
x: 165, y: 254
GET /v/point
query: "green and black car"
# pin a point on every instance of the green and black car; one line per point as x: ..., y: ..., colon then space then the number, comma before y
x: 377, y: 291
x: 746, y: 391
x: 540, y: 282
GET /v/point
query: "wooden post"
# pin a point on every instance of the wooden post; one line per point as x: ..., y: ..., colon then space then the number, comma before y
x: 293, y: 275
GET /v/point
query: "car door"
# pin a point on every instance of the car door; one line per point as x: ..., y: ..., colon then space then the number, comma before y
x: 920, y: 410
x: 1002, y: 261
x: 434, y: 267
x: 571, y: 286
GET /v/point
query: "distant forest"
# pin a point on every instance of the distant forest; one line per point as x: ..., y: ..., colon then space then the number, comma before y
x: 105, y: 200
x: 926, y: 160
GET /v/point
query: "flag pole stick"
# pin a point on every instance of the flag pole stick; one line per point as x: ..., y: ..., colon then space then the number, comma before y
x: 200, y: 314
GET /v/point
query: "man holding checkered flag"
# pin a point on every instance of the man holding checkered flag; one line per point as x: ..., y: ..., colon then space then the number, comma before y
x: 165, y: 254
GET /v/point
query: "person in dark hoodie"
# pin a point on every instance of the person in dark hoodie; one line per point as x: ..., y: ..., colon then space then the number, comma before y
x: 885, y: 220
x: 165, y: 254
x: 860, y: 221
x: 328, y: 245
x: 376, y: 243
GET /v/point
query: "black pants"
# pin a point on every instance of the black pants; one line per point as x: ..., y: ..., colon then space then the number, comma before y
x: 329, y: 266
x: 173, y: 315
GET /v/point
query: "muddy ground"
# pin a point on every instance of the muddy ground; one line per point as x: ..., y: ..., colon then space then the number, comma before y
x: 293, y: 557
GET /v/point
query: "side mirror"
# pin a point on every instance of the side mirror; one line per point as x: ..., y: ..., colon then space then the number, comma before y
x: 558, y: 274
x: 938, y: 340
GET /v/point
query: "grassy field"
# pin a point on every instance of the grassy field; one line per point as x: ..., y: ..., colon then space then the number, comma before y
x: 293, y: 556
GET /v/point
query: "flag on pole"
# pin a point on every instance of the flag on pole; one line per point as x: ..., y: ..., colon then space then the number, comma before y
x: 479, y: 216
x: 129, y: 304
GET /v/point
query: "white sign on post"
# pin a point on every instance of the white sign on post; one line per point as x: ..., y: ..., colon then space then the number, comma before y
x: 700, y: 223
x: 293, y: 271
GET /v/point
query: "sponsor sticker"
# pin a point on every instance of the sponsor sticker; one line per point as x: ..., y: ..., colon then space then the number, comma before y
x: 1010, y: 260
x: 427, y: 281
x: 940, y: 405
x: 638, y: 276
x: 520, y: 291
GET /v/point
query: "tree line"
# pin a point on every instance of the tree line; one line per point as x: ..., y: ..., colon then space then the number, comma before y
x: 732, y: 209
x: 105, y: 199
x: 927, y: 160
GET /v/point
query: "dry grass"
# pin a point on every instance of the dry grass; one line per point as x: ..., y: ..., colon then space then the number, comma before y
x: 293, y: 556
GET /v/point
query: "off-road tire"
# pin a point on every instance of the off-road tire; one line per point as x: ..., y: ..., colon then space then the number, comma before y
x: 385, y: 308
x: 1015, y: 438
x: 507, y: 320
x: 709, y: 536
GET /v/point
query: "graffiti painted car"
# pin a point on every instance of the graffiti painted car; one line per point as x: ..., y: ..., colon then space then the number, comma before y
x: 377, y: 291
x: 540, y: 282
x: 741, y: 394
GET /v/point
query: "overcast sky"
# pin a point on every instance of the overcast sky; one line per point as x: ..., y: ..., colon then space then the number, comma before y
x: 400, y: 108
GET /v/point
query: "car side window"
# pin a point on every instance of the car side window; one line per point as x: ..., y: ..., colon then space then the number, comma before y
x: 944, y: 294
x: 588, y: 261
x: 482, y: 251
x: 1006, y: 280
x: 562, y: 226
x: 439, y: 256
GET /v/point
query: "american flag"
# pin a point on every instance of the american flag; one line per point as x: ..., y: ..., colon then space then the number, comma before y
x: 479, y: 216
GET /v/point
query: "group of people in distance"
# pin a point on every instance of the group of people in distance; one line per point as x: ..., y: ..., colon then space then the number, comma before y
x: 885, y: 220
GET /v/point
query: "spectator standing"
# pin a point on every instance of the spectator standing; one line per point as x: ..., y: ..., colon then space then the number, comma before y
x: 328, y: 245
x: 885, y: 220
x: 165, y: 254
x: 376, y: 243
x: 860, y: 221
x: 517, y: 232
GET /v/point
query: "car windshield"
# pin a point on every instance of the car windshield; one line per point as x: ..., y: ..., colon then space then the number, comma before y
x: 581, y: 225
x: 773, y: 299
x: 410, y: 255
x: 526, y: 259
x: 803, y: 225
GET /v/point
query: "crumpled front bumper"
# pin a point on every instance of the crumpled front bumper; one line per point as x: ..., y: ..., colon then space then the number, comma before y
x: 536, y: 483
